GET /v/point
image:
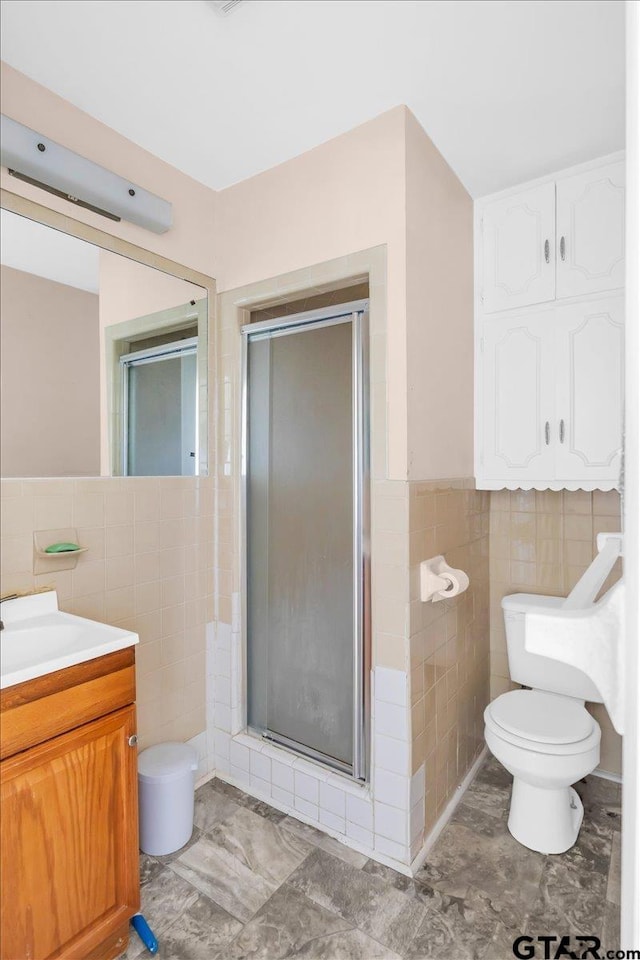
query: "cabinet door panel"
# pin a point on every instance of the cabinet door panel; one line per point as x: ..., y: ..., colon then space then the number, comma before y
x: 69, y: 840
x: 590, y: 390
x: 518, y: 242
x: 517, y: 398
x: 590, y: 231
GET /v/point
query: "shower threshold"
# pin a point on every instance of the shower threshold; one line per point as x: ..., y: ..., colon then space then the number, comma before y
x: 307, y: 752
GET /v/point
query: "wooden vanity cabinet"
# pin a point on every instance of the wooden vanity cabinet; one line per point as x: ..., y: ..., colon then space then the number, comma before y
x: 69, y: 830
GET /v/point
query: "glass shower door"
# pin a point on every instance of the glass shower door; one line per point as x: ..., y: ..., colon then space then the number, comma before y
x: 160, y: 387
x: 305, y: 566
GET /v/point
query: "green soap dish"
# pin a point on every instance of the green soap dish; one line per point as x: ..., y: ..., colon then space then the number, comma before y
x: 63, y: 548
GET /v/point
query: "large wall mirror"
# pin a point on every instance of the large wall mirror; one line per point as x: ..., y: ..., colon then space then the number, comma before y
x: 103, y: 360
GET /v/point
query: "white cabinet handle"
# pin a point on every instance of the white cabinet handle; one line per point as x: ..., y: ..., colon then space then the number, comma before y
x: 546, y: 251
x: 547, y: 433
x: 562, y: 431
x: 563, y: 248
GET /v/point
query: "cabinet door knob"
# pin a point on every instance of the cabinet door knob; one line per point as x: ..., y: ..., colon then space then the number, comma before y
x: 563, y: 248
x: 133, y: 740
x: 562, y: 431
x: 547, y: 433
x: 546, y: 251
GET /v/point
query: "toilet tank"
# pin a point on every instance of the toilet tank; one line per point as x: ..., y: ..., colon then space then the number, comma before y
x: 532, y: 670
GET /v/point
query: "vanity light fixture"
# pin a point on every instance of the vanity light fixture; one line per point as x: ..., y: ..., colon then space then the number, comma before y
x: 46, y: 164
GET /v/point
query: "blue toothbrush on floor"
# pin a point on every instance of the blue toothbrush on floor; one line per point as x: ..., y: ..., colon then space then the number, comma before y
x: 143, y: 930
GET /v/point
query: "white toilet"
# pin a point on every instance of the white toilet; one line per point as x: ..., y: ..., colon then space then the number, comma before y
x: 543, y: 736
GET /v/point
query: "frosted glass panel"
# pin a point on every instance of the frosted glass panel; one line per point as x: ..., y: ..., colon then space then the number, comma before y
x: 300, y: 589
x: 162, y: 402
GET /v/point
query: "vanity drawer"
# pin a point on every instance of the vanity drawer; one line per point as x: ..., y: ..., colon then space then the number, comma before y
x: 39, y: 709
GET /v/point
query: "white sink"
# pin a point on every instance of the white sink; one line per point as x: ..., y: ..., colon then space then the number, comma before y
x: 38, y: 638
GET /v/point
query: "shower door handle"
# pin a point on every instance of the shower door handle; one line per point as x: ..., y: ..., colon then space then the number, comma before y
x: 547, y: 433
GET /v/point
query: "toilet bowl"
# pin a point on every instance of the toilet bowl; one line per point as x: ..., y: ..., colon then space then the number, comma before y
x: 543, y: 736
x: 547, y: 742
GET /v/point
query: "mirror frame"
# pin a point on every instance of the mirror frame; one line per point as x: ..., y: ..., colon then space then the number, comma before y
x: 206, y: 333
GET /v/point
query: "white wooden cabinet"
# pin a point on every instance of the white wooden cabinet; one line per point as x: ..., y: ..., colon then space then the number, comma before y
x: 518, y: 249
x: 550, y: 331
x: 562, y: 238
x: 551, y: 390
x: 517, y: 391
x: 589, y: 393
x: 590, y: 230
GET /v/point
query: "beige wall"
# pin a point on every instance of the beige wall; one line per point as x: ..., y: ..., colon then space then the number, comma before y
x: 49, y: 401
x: 542, y: 542
x: 129, y: 290
x: 381, y: 183
x: 439, y: 321
x: 450, y: 638
x: 150, y: 541
x: 148, y: 568
x: 344, y: 196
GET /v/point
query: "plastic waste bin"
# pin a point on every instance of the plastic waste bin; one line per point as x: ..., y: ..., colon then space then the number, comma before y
x: 166, y: 781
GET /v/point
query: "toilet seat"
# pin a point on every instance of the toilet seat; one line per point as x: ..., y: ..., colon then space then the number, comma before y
x: 542, y: 722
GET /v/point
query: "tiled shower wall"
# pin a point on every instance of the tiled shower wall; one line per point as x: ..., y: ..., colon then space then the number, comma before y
x: 542, y: 542
x: 449, y: 639
x: 149, y: 568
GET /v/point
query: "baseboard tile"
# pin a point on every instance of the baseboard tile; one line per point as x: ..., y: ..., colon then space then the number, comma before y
x: 210, y: 775
x: 447, y: 813
x: 605, y: 775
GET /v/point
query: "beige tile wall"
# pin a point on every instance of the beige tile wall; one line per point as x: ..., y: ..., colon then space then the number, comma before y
x: 149, y: 568
x: 542, y: 542
x: 449, y: 638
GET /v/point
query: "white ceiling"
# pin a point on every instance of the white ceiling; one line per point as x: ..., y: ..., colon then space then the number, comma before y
x: 507, y: 89
x: 32, y: 247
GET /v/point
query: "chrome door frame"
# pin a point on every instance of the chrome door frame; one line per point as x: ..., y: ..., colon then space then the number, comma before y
x: 357, y: 313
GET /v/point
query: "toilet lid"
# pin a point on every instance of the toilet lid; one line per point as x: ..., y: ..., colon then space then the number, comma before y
x: 544, y: 717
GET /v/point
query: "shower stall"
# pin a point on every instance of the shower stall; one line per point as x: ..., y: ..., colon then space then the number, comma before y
x: 305, y: 469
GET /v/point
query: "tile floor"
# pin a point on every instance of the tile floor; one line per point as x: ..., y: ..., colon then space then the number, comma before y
x: 255, y: 883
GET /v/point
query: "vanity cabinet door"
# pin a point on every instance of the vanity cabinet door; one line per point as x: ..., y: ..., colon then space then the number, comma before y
x: 517, y: 397
x: 589, y: 390
x: 518, y: 250
x: 590, y: 231
x: 69, y: 849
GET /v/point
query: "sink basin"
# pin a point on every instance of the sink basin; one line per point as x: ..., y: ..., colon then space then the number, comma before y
x: 38, y: 638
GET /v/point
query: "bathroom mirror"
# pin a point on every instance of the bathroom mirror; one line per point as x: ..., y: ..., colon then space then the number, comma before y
x: 103, y: 359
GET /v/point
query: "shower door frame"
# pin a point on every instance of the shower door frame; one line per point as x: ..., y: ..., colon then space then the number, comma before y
x: 356, y: 313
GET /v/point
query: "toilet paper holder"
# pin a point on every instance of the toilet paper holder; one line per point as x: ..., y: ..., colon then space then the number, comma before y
x: 439, y: 581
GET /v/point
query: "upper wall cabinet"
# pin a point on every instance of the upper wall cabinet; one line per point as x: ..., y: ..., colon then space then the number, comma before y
x: 564, y: 238
x: 518, y: 250
x: 550, y: 332
x: 590, y: 230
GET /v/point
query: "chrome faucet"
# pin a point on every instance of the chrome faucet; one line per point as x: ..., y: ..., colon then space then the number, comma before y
x: 11, y: 596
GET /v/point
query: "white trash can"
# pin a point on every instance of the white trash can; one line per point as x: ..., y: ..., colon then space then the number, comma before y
x: 166, y: 782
